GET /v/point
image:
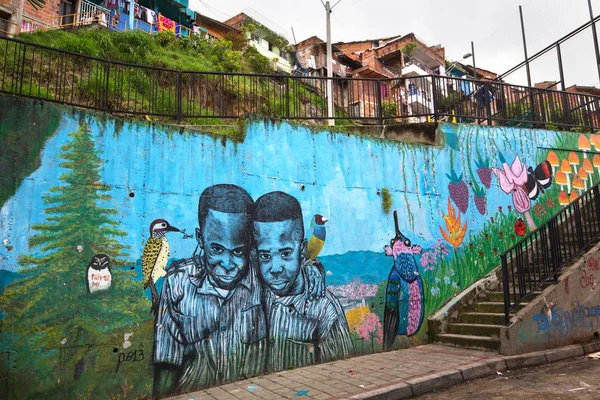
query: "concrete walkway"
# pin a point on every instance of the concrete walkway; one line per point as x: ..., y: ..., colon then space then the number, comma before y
x: 392, y: 375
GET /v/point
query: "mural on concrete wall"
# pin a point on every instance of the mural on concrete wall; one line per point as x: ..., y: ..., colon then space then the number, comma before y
x: 175, y: 261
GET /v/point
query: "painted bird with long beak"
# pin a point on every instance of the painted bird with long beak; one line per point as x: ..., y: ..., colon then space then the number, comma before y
x: 317, y: 240
x: 404, y: 309
x: 155, y: 257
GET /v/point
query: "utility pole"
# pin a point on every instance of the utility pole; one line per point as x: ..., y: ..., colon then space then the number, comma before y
x: 18, y: 16
x: 595, y: 34
x: 330, y: 110
x: 473, y: 55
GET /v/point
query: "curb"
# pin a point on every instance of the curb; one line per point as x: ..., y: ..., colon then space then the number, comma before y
x: 444, y: 379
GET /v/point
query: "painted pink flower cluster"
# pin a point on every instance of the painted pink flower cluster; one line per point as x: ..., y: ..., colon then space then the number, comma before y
x: 400, y: 248
x: 371, y: 328
x: 414, y: 314
x: 431, y: 258
x: 511, y: 181
x: 354, y: 291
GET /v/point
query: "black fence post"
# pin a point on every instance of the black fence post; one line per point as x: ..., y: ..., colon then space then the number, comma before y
x: 596, y: 192
x: 488, y: 106
x: 566, y: 110
x: 532, y: 105
x: 505, y: 288
x: 434, y: 96
x: 107, y: 88
x: 287, y: 97
x: 178, y: 97
x: 578, y: 223
x: 555, y: 246
x: 22, y: 73
x: 504, y: 105
x: 379, y: 102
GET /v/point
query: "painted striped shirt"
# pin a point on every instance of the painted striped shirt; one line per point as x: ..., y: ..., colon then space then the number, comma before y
x: 304, y: 332
x: 214, y: 339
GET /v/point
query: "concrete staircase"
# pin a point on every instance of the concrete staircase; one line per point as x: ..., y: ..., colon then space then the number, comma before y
x: 478, y: 325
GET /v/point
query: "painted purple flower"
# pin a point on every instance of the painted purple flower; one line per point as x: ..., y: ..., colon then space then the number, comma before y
x: 513, y: 176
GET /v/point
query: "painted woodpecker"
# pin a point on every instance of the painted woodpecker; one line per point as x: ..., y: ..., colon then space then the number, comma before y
x: 404, y: 307
x: 155, y: 257
x: 317, y: 240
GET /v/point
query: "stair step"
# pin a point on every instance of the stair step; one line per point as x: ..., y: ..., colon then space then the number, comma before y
x: 479, y: 342
x: 475, y: 329
x: 482, y: 318
x: 494, y: 306
x: 498, y: 296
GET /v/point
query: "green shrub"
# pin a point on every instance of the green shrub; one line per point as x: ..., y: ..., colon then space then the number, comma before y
x: 167, y: 40
x: 256, y: 62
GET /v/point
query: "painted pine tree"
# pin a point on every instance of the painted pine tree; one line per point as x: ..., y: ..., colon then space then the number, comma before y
x: 71, y: 333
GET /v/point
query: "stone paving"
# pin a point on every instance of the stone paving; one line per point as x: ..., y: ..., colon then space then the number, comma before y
x: 347, y: 378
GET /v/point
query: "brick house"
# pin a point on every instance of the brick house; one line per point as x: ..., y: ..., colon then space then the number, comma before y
x: 212, y: 28
x: 376, y: 65
x: 32, y: 19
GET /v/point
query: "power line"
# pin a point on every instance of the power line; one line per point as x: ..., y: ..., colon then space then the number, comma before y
x: 351, y: 4
x: 214, y: 9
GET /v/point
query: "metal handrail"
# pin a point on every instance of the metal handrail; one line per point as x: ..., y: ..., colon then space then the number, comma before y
x: 539, y: 257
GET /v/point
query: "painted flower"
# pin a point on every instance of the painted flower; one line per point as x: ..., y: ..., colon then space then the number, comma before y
x: 513, y: 176
x: 447, y: 280
x: 437, y: 280
x: 454, y: 285
x: 435, y: 291
x: 451, y: 273
x: 371, y: 328
x: 521, y: 200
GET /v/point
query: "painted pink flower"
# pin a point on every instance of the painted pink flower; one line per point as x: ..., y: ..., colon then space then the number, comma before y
x: 521, y: 200
x: 510, y: 177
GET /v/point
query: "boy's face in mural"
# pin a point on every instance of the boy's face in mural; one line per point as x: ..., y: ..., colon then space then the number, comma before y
x: 224, y: 238
x: 281, y: 249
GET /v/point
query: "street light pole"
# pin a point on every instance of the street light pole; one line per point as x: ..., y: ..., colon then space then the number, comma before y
x: 330, y: 111
x: 595, y: 36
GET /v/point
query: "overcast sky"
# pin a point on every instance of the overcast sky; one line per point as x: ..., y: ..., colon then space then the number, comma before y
x: 493, y: 26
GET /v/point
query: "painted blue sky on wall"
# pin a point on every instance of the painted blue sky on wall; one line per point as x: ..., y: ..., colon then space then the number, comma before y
x: 342, y: 174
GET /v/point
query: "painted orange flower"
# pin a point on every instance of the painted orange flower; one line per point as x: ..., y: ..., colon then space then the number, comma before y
x: 456, y: 232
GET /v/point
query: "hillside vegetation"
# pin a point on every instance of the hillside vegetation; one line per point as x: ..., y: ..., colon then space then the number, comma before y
x: 162, y: 50
x: 200, y: 95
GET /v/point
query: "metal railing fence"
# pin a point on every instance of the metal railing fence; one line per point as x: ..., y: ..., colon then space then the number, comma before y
x: 539, y: 257
x: 40, y: 72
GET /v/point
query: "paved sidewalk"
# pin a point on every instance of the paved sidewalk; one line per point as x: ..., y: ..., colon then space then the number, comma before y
x: 359, y: 377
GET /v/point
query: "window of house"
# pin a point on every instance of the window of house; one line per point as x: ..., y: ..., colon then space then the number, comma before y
x: 354, y: 109
x: 4, y: 25
x: 255, y: 38
x: 271, y: 47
